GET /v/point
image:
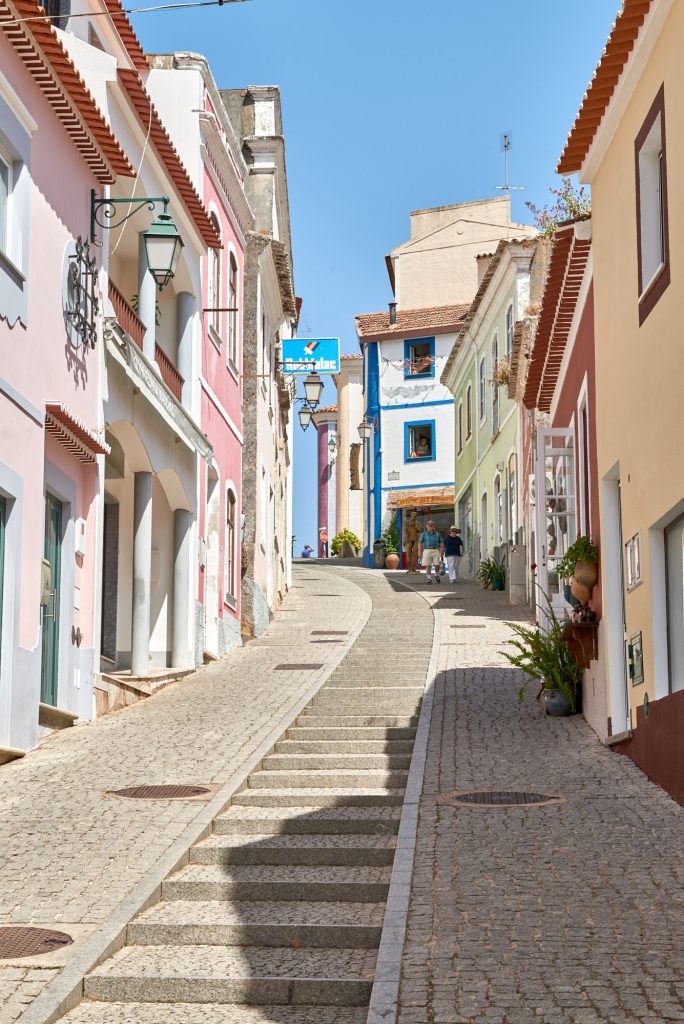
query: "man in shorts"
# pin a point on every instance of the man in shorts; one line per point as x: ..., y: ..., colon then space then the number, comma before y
x: 431, y: 547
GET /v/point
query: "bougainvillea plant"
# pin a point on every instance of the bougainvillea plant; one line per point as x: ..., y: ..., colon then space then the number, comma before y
x: 571, y: 203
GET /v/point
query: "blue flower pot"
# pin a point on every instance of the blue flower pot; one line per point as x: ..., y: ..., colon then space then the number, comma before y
x: 556, y: 704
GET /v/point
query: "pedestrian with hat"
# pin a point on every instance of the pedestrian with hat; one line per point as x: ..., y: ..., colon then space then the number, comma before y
x: 453, y: 549
x: 431, y: 547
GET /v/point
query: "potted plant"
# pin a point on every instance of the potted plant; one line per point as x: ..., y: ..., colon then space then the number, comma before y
x: 492, y: 574
x: 342, y: 538
x: 580, y: 563
x: 391, y: 541
x: 544, y: 657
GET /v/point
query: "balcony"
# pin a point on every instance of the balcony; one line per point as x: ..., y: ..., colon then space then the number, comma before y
x: 169, y: 373
x: 128, y: 319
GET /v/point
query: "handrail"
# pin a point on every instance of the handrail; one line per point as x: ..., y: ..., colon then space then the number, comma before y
x: 126, y: 315
x: 169, y: 373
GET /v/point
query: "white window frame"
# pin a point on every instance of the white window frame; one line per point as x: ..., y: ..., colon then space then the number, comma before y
x: 229, y: 559
x: 460, y: 428
x: 482, y: 384
x: 6, y: 236
x: 510, y: 323
x: 633, y: 561
x: 233, y: 303
x: 652, y: 205
x: 469, y: 412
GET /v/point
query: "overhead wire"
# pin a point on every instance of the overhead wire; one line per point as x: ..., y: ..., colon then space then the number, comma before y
x: 124, y: 10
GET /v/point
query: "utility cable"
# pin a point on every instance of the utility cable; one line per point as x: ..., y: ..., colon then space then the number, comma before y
x: 124, y: 10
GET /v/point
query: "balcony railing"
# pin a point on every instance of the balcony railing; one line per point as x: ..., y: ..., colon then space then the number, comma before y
x: 126, y: 315
x: 169, y: 373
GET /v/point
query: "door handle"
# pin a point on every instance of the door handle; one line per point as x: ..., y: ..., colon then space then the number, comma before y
x: 47, y: 614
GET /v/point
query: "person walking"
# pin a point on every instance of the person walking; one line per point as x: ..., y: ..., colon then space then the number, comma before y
x: 453, y: 549
x: 431, y: 548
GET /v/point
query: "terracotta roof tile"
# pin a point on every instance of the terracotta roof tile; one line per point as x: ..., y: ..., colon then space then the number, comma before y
x: 48, y: 63
x: 621, y: 40
x: 147, y: 115
x: 350, y: 355
x: 127, y: 34
x: 325, y: 408
x: 440, y: 319
x: 561, y: 293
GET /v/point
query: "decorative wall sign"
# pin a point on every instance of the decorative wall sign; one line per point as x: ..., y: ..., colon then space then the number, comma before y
x: 636, y: 660
x: 80, y: 298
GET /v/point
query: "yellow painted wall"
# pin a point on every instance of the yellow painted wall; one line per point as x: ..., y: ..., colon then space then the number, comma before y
x: 640, y: 370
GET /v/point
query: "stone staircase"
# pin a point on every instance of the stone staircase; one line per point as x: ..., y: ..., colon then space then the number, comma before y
x: 278, y: 914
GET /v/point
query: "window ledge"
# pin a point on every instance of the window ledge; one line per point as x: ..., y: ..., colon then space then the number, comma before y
x: 653, y: 282
x: 233, y: 370
x: 215, y: 337
x: 230, y: 602
x: 11, y: 268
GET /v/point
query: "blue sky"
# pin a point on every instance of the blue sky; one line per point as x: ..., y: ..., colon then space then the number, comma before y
x: 389, y: 107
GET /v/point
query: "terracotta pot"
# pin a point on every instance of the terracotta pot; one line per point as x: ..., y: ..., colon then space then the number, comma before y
x: 392, y: 560
x: 579, y: 591
x: 586, y: 573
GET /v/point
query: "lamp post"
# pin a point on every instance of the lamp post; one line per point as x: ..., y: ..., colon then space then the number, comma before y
x: 305, y: 414
x: 163, y: 243
x: 313, y: 388
x: 365, y: 429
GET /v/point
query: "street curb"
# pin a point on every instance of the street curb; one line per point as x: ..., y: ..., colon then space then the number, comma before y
x: 384, y: 1001
x: 65, y: 992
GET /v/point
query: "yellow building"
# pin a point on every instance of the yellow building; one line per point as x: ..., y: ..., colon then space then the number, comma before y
x: 626, y: 143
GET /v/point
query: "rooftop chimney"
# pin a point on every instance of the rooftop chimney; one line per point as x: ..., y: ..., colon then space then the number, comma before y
x: 392, y: 312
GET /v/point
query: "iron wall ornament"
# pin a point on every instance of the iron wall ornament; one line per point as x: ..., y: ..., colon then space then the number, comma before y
x: 81, y: 301
x: 104, y: 212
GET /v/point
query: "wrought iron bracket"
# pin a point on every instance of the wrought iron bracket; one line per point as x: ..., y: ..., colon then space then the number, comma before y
x: 103, y: 212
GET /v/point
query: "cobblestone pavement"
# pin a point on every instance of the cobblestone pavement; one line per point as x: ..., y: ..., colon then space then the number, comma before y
x: 571, y: 912
x: 69, y: 854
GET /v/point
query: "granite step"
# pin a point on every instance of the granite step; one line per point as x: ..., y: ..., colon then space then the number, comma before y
x: 392, y: 748
x: 235, y: 974
x: 312, y: 797
x: 291, y: 849
x: 275, y: 882
x: 308, y: 820
x: 358, y: 732
x: 408, y: 709
x: 211, y: 1013
x: 259, y: 923
x: 384, y: 722
x: 336, y: 778
x: 307, y: 761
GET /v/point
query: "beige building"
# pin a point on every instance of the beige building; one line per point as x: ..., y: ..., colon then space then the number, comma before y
x: 349, y: 453
x: 437, y: 266
x: 628, y: 145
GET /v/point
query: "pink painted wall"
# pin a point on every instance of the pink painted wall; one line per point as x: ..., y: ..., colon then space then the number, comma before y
x: 225, y: 397
x: 38, y: 360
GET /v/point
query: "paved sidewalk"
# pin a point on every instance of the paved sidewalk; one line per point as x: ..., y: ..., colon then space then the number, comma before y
x: 571, y: 913
x: 69, y: 854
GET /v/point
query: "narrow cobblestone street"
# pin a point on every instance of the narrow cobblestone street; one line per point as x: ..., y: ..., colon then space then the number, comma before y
x: 271, y: 908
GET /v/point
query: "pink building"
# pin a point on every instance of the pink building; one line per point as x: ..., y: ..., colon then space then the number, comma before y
x: 188, y: 98
x: 51, y: 437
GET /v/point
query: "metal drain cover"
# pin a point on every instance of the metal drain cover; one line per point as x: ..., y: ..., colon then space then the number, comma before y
x: 329, y: 632
x: 160, y: 792
x: 497, y: 798
x: 18, y: 941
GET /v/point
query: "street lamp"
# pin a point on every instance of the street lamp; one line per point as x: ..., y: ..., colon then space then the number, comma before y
x: 305, y: 414
x: 365, y: 430
x: 313, y: 388
x: 163, y: 246
x: 332, y: 444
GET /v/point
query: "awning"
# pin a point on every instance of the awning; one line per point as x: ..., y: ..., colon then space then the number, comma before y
x: 420, y: 497
x: 81, y: 441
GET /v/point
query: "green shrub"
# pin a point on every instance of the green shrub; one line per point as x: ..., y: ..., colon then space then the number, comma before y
x: 544, y: 656
x: 390, y: 537
x: 340, y: 537
x: 581, y: 551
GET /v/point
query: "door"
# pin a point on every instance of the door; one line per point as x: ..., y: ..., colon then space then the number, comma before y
x: 674, y: 554
x: 556, y: 514
x: 51, y: 612
x: 484, y: 529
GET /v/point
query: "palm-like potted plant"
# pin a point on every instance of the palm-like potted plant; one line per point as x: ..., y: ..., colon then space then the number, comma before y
x: 545, y: 658
x: 492, y: 574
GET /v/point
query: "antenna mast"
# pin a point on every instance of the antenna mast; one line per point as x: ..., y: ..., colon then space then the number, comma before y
x: 506, y: 144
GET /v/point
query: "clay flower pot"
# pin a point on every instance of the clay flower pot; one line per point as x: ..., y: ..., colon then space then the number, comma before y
x: 586, y: 573
x: 391, y: 560
x: 579, y: 591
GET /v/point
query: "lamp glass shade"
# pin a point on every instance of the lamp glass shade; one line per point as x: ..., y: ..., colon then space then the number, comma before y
x: 313, y: 389
x: 304, y: 417
x: 163, y: 247
x: 364, y: 429
x: 332, y: 445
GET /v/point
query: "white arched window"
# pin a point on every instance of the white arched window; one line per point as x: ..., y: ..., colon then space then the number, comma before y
x: 509, y: 331
x: 231, y: 507
x: 232, y: 310
x: 214, y: 291
x: 483, y: 387
x: 460, y: 427
x: 469, y: 411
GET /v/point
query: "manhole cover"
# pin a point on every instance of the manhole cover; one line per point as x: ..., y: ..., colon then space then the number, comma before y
x: 160, y: 792
x: 497, y: 798
x: 16, y: 942
x: 326, y: 595
x: 327, y: 641
x: 296, y: 668
x: 467, y: 625
x: 329, y: 632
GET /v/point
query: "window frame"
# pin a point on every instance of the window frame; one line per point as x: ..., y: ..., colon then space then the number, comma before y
x: 214, y: 286
x: 233, y: 303
x: 469, y: 412
x: 495, y: 393
x: 482, y: 388
x: 634, y: 565
x: 510, y: 329
x: 408, y: 426
x: 459, y: 437
x: 650, y: 291
x: 229, y: 560
x: 6, y: 236
x: 411, y: 343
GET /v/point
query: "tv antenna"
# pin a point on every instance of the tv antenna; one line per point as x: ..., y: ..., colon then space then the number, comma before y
x: 506, y: 144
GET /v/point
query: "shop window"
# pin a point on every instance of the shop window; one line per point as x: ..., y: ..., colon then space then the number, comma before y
x: 651, y: 197
x: 419, y: 441
x: 419, y: 358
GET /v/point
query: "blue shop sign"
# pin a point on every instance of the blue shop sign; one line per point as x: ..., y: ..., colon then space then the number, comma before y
x: 302, y: 355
